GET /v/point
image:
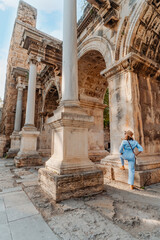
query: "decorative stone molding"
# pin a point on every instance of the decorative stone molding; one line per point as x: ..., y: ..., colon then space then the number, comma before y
x: 133, y: 62
x: 100, y: 3
x: 20, y: 75
x: 88, y: 16
x: 34, y: 59
x: 99, y: 44
x: 48, y: 49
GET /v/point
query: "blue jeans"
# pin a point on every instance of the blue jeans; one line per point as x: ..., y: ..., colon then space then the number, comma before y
x: 131, y: 170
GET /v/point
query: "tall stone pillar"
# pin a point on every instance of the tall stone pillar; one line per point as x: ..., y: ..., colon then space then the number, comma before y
x: 15, y: 137
x: 69, y: 172
x: 28, y: 155
x: 70, y: 63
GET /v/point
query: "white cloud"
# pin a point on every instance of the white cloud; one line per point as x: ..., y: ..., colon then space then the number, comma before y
x: 57, y: 34
x: 2, y: 7
x: 44, y: 5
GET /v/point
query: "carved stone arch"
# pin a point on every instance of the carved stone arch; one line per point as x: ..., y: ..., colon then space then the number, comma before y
x: 53, y: 82
x: 142, y: 32
x: 126, y: 30
x: 99, y: 44
x: 94, y: 55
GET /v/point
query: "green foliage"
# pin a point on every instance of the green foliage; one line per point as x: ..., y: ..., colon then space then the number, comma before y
x: 106, y: 110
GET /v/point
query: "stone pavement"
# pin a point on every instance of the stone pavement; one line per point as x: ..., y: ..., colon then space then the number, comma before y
x: 27, y: 213
x: 19, y: 219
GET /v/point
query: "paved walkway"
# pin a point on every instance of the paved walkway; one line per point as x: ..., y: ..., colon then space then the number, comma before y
x: 19, y: 219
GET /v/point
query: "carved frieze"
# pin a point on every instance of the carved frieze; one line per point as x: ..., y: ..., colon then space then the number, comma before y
x: 133, y: 62
x: 48, y: 50
x: 99, y: 3
x: 146, y: 40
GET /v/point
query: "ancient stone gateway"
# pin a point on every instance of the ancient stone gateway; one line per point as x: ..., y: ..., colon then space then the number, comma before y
x: 118, y: 50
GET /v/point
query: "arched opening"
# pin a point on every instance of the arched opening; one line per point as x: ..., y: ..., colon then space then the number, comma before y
x: 92, y: 90
x: 50, y: 103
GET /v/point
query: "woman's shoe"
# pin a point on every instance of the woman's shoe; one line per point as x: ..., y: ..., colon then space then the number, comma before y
x: 122, y: 168
x: 131, y: 187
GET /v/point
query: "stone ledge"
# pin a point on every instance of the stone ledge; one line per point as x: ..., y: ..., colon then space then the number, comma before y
x: 61, y: 187
x: 28, y: 160
x: 142, y: 178
x: 12, y: 153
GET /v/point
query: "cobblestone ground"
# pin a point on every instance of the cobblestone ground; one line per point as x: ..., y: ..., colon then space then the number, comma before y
x: 116, y: 214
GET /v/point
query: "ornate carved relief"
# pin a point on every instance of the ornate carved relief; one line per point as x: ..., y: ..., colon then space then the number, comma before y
x: 135, y: 63
x: 146, y: 41
x: 91, y: 83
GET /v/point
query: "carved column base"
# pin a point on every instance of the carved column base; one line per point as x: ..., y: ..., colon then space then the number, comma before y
x: 61, y: 187
x: 15, y: 145
x: 28, y: 155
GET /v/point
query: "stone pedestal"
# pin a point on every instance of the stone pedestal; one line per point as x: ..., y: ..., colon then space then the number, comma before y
x: 15, y: 145
x: 70, y: 163
x: 3, y: 141
x: 61, y: 187
x: 28, y: 155
x: 147, y: 170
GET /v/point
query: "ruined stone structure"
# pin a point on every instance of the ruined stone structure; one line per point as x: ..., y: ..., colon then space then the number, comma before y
x: 119, y: 50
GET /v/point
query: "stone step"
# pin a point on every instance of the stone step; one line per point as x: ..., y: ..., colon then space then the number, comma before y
x: 142, y: 178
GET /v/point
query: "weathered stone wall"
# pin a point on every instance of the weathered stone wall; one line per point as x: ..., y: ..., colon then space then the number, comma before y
x: 1, y: 109
x: 149, y: 89
x: 17, y: 57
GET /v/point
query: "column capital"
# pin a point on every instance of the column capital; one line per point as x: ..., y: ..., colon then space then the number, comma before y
x: 20, y: 86
x: 34, y: 59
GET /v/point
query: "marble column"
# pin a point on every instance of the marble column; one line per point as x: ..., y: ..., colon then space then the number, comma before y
x: 30, y: 110
x: 69, y: 166
x: 18, y: 117
x: 70, y: 63
x: 28, y: 155
x: 15, y: 137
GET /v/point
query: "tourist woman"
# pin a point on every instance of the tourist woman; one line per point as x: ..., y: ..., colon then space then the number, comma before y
x: 127, y: 153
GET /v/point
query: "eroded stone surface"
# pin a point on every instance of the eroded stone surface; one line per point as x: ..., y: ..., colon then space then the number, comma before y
x: 117, y: 213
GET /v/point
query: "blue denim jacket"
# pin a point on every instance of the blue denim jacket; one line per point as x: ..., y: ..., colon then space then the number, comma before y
x: 126, y: 150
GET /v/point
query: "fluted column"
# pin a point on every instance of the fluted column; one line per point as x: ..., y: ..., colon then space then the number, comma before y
x: 18, y: 117
x: 30, y: 110
x: 70, y: 69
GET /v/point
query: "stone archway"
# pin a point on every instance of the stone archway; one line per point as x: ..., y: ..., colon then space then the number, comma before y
x: 92, y: 89
x: 141, y: 33
x: 50, y: 103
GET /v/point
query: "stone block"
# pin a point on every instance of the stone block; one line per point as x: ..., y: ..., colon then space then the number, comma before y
x: 61, y: 187
x: 31, y: 228
x: 5, y: 232
x: 2, y: 145
x: 25, y: 160
x: 22, y: 211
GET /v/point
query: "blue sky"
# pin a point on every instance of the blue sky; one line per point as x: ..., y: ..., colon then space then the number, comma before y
x: 49, y: 20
